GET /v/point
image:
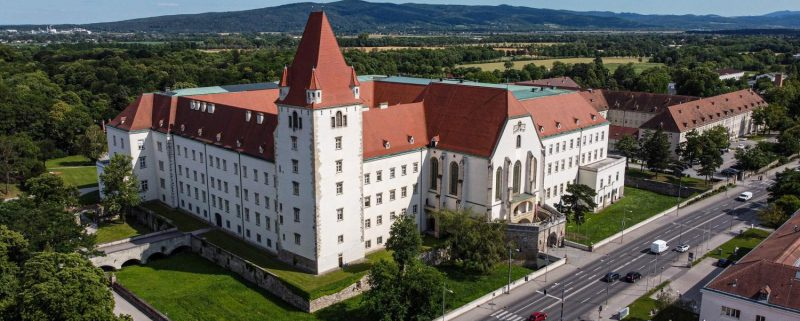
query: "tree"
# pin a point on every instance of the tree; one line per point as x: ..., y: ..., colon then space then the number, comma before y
x: 788, y: 204
x: 13, y: 251
x: 653, y: 80
x: 656, y: 150
x: 625, y: 76
x: 474, y: 245
x: 92, y: 143
x: 786, y: 183
x: 120, y: 186
x: 46, y: 226
x: 51, y: 188
x: 59, y: 286
x: 718, y: 137
x: 396, y: 295
x: 691, y: 149
x: 18, y: 158
x: 772, y: 216
x: 579, y: 200
x: 789, y: 141
x: 710, y: 161
x: 508, y: 64
x: 404, y: 241
x: 629, y: 147
x: 751, y: 159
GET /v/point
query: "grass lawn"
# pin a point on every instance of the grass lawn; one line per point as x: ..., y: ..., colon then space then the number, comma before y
x: 746, y: 242
x: 467, y: 287
x: 113, y: 231
x: 307, y: 284
x: 183, y: 221
x: 13, y: 191
x: 637, y: 205
x: 640, y: 309
x: 76, y: 170
x: 667, y: 178
x: 610, y: 62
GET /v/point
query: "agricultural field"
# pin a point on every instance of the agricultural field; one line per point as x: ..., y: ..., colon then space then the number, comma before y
x: 610, y: 62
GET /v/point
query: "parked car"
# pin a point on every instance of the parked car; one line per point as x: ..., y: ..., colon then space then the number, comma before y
x: 724, y: 263
x: 745, y: 196
x: 729, y: 171
x: 632, y: 277
x: 682, y: 248
x: 538, y: 316
x: 611, y: 277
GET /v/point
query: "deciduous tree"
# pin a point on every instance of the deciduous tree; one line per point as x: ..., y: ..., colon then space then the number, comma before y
x: 629, y: 147
x: 474, y: 244
x: 92, y: 143
x: 404, y: 241
x: 51, y: 188
x: 578, y: 201
x: 120, y: 186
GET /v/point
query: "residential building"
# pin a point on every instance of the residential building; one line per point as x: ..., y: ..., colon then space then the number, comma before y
x: 728, y: 73
x: 762, y: 285
x: 316, y: 168
x: 558, y: 82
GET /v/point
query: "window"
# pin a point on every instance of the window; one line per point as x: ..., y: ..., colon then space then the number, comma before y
x: 368, y: 243
x: 392, y: 216
x: 558, y: 147
x: 391, y: 195
x: 266, y: 178
x: 162, y: 183
x: 517, y: 177
x: 403, y: 191
x: 339, y: 166
x: 296, y: 188
x: 549, y: 168
x: 415, y: 167
x: 224, y: 165
x: 563, y: 164
x: 140, y: 144
x: 144, y: 186
x: 294, y: 142
x: 571, y: 144
x: 378, y: 176
x: 161, y: 165
x: 246, y: 194
x: 380, y: 240
x: 339, y: 188
x: 296, y: 214
x: 367, y: 223
x: 142, y: 162
x: 159, y: 146
x: 391, y: 173
x: 366, y: 201
x: 730, y: 312
x: 434, y: 173
x: 761, y: 318
x: 414, y: 209
x: 379, y: 199
x: 340, y: 239
x: 366, y: 179
x: 415, y: 188
x: 379, y: 220
x: 236, y: 190
x: 519, y: 141
x: 338, y: 140
x: 403, y: 170
x: 453, y: 179
x: 295, y: 166
x: 498, y: 184
x: 550, y: 149
x: 297, y: 238
x: 244, y: 171
x: 339, y: 214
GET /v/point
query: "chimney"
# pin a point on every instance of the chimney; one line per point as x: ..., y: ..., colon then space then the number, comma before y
x: 383, y: 105
x: 779, y: 80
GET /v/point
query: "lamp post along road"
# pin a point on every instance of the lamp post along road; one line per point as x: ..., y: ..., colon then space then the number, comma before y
x: 444, y: 289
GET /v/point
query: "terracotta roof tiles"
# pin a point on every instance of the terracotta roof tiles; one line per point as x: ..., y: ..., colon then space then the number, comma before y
x: 697, y: 113
x: 558, y: 82
x: 553, y: 115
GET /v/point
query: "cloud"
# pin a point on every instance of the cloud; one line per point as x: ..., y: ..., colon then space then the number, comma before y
x: 167, y: 4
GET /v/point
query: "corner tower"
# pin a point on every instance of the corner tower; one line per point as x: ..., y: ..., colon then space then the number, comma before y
x: 319, y: 154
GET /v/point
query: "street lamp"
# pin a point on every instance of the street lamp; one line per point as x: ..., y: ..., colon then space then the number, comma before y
x: 622, y: 235
x: 608, y: 281
x: 564, y: 285
x: 444, y: 289
x: 508, y: 288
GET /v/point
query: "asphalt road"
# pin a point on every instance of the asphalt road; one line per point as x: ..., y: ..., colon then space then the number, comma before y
x: 584, y: 291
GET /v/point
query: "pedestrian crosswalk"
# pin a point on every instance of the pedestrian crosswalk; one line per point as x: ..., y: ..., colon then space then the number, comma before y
x: 506, y: 316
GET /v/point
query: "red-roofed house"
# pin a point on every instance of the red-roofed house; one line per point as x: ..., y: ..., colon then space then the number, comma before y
x: 762, y: 285
x: 316, y: 167
x: 558, y: 82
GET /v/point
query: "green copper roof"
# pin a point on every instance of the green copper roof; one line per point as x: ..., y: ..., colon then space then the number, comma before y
x: 222, y: 89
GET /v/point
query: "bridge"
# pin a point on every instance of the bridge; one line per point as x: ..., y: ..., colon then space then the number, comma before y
x: 140, y: 249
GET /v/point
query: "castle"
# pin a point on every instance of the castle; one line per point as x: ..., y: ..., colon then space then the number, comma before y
x: 315, y: 168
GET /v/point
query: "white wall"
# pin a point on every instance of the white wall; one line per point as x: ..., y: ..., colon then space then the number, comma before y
x: 712, y: 303
x: 590, y: 146
x: 124, y: 142
x: 505, y: 156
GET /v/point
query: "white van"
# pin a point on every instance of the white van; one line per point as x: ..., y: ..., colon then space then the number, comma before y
x: 745, y: 196
x: 658, y: 247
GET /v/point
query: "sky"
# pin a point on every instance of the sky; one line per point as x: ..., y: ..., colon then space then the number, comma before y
x: 87, y: 11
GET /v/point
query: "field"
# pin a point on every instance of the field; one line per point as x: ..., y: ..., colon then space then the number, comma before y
x: 745, y: 242
x: 76, y: 170
x: 113, y: 231
x: 610, y: 62
x: 667, y: 178
x: 637, y: 205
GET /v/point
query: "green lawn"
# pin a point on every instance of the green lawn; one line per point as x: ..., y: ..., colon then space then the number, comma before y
x: 183, y: 221
x: 306, y: 284
x: 637, y: 205
x: 76, y: 170
x: 467, y: 287
x: 640, y: 309
x: 113, y: 231
x: 746, y: 242
x: 667, y: 178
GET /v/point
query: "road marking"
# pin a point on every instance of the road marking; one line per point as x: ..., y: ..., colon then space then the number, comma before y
x: 499, y: 316
x: 601, y: 291
x: 515, y: 318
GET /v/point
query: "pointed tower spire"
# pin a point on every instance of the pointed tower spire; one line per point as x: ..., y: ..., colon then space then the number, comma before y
x: 318, y: 66
x: 285, y: 77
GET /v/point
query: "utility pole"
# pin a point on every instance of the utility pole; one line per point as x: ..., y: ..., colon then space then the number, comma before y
x: 608, y: 281
x: 564, y: 285
x: 443, y: 292
x: 508, y: 288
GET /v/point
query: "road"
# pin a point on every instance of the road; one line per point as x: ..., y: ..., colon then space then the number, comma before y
x: 584, y: 291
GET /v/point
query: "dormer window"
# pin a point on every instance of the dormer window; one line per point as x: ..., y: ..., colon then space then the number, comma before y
x: 357, y: 92
x: 577, y: 121
x: 183, y: 127
x: 259, y: 118
x: 541, y: 129
x: 161, y: 123
x: 410, y: 139
x: 203, y: 106
x: 247, y: 115
x: 558, y: 125
x: 219, y: 136
x: 211, y: 108
x: 199, y: 132
x: 122, y: 120
x: 260, y: 149
x: 238, y: 143
x: 594, y: 117
x: 386, y: 144
x: 314, y: 96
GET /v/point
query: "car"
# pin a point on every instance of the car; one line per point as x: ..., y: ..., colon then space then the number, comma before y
x: 538, y: 316
x: 610, y: 277
x: 724, y: 263
x: 682, y: 248
x: 745, y: 196
x: 632, y: 277
x: 740, y: 146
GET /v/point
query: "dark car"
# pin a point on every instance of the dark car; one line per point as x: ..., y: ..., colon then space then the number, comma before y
x: 632, y: 277
x: 538, y: 316
x: 724, y: 263
x: 611, y: 277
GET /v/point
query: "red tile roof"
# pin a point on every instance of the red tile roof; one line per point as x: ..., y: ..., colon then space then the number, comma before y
x: 772, y: 265
x: 395, y: 129
x: 319, y: 64
x: 558, y: 82
x: 633, y: 101
x: 373, y: 93
x: 693, y: 114
x: 616, y: 132
x: 563, y: 113
x: 145, y: 112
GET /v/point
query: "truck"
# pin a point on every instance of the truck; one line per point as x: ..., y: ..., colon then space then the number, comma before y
x: 658, y: 247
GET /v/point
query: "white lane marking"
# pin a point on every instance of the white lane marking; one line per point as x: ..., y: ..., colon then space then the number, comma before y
x: 495, y: 312
x: 500, y: 316
x: 515, y: 318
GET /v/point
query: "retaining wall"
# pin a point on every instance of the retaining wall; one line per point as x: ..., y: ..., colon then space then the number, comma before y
x: 137, y: 302
x: 660, y: 187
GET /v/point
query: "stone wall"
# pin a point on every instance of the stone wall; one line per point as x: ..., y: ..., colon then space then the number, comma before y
x: 660, y: 187
x: 353, y: 290
x: 137, y: 302
x: 150, y: 219
x: 435, y: 257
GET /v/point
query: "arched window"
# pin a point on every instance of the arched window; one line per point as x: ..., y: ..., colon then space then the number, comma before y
x: 519, y: 141
x: 517, y: 177
x: 434, y: 173
x: 453, y: 179
x: 338, y: 119
x: 498, y: 184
